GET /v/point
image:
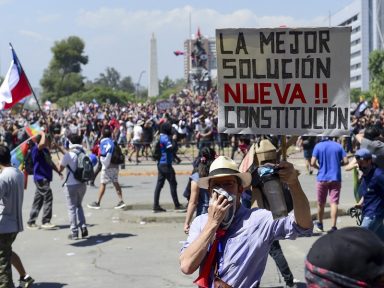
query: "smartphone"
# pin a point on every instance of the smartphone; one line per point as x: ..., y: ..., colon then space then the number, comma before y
x: 221, y: 191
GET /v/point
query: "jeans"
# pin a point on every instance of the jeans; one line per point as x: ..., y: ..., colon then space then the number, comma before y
x: 277, y: 255
x: 75, y: 195
x: 6, y: 241
x: 43, y: 197
x: 166, y: 172
x: 375, y: 224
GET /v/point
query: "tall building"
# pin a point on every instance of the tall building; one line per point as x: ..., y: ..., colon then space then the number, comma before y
x: 366, y: 17
x: 153, y: 90
x: 209, y: 44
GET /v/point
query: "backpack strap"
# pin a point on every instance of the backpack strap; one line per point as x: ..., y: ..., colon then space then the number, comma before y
x: 77, y: 152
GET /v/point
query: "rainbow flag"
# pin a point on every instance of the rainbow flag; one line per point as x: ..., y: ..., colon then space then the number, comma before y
x: 33, y: 129
x: 18, y: 154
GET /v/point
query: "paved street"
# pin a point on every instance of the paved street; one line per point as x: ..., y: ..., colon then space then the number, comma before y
x: 135, y: 248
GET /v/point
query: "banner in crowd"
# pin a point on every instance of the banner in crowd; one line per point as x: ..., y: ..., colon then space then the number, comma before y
x: 163, y: 105
x: 284, y: 81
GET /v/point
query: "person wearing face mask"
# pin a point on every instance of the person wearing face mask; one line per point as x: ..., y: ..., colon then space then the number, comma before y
x: 371, y: 191
x: 230, y: 243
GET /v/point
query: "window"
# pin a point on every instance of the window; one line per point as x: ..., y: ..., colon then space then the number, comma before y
x: 355, y: 66
x: 356, y: 29
x: 355, y: 54
x: 355, y: 42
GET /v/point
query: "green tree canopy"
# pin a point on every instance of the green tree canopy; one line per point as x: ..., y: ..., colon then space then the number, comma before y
x: 376, y: 69
x: 111, y: 79
x: 63, y: 75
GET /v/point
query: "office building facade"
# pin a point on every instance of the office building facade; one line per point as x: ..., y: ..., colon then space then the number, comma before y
x: 366, y: 18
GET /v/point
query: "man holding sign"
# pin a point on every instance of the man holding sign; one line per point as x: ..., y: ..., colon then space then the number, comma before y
x: 270, y: 81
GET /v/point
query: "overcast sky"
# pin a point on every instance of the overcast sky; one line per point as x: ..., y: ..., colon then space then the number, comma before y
x: 117, y: 33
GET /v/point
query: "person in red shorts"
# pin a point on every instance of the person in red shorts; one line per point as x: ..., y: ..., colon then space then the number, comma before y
x: 328, y: 157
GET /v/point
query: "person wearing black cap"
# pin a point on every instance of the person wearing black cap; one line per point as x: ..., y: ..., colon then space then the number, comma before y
x: 165, y: 170
x: 349, y: 257
x: 371, y: 191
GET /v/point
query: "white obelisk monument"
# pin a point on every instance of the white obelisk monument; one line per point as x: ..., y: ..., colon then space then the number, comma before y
x: 153, y: 90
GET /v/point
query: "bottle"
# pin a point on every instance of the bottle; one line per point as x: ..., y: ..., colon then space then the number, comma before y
x: 273, y: 192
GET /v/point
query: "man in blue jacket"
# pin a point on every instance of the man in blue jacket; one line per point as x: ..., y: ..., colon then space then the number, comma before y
x: 165, y: 170
x: 371, y: 190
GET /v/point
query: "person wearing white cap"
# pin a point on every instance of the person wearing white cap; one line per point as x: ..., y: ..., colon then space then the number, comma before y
x: 241, y: 237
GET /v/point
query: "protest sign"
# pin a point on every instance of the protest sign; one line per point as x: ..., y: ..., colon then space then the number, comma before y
x: 163, y: 105
x: 284, y: 81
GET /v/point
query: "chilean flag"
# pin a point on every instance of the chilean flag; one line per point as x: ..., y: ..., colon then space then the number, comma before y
x: 15, y: 86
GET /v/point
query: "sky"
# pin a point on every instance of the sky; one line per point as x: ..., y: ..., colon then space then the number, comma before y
x: 117, y: 33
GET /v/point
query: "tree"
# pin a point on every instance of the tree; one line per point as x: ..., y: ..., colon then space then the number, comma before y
x: 63, y: 75
x: 165, y: 84
x: 127, y: 85
x: 376, y: 69
x: 110, y: 79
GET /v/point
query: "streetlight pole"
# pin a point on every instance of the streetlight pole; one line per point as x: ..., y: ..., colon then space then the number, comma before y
x: 138, y: 84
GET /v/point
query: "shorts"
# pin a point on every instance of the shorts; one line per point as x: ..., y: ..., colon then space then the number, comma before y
x: 109, y: 175
x: 137, y: 144
x: 307, y: 153
x: 331, y: 188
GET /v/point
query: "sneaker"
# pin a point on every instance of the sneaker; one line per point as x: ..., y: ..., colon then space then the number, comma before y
x: 73, y: 236
x: 319, y: 227
x: 84, y: 232
x: 32, y: 226
x: 48, y: 225
x: 158, y: 209
x: 333, y: 229
x: 120, y: 205
x: 180, y: 209
x: 292, y: 284
x: 26, y: 282
x: 93, y: 205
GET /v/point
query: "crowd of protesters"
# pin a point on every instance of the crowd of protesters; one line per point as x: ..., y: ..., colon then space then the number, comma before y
x: 192, y: 118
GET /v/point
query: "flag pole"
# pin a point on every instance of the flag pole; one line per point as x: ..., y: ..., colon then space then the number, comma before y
x: 34, y: 95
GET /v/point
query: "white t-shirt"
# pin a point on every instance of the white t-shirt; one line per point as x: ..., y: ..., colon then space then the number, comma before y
x: 129, y: 126
x: 137, y: 132
x: 70, y: 159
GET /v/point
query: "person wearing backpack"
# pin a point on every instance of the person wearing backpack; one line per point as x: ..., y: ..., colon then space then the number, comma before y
x: 109, y: 170
x: 165, y: 170
x: 78, y: 172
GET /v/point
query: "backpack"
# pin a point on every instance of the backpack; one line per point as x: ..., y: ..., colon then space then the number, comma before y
x: 28, y: 163
x: 117, y: 155
x: 84, y: 168
x: 156, y: 150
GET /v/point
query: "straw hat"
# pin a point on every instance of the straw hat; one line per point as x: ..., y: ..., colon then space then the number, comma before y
x: 224, y: 166
x: 140, y: 122
x: 265, y: 151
